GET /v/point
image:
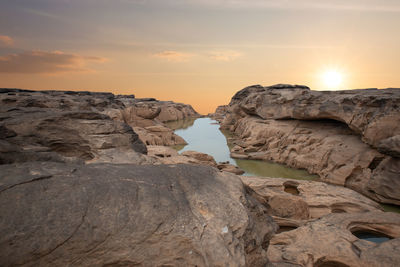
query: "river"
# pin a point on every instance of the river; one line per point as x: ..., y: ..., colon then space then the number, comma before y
x: 203, y: 135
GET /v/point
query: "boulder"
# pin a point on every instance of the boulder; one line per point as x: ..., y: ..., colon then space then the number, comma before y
x: 306, y: 200
x: 332, y: 241
x: 57, y: 214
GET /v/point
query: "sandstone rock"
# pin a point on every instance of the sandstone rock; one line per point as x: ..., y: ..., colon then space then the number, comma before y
x: 153, y: 135
x: 330, y: 241
x: 304, y: 200
x: 147, y: 117
x: 86, y: 126
x: 372, y: 113
x: 301, y: 128
x: 202, y: 157
x: 56, y: 214
x: 219, y: 113
x: 226, y: 167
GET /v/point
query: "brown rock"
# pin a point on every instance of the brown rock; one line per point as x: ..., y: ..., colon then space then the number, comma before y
x: 56, y: 214
x: 330, y: 241
x: 205, y: 158
x: 303, y: 200
x: 322, y: 135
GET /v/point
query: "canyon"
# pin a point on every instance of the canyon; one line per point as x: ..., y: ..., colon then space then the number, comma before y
x: 91, y: 179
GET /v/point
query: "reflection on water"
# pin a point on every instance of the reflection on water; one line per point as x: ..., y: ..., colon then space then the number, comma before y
x: 180, y: 124
x: 391, y: 208
x: 204, y: 136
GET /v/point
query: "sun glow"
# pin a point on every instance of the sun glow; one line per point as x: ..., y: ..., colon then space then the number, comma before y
x: 332, y: 79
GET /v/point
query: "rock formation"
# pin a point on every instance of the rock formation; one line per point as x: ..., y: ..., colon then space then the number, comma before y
x: 146, y: 117
x: 168, y: 155
x: 349, y: 138
x: 332, y: 241
x: 57, y: 214
x: 305, y: 200
x: 66, y: 200
x: 95, y: 127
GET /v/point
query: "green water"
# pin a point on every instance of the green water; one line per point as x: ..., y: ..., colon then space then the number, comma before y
x: 203, y: 135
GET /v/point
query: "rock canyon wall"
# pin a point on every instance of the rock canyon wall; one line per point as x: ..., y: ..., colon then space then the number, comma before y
x: 349, y: 138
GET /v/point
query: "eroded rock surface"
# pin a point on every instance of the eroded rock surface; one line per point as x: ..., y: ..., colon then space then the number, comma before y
x: 305, y: 200
x: 330, y: 241
x: 146, y: 117
x: 327, y: 133
x: 56, y: 214
x: 168, y: 155
x: 81, y: 126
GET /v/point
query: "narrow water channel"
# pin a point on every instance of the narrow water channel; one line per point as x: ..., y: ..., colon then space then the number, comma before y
x: 203, y: 135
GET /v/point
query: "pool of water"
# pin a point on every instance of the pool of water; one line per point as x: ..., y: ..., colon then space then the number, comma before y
x: 203, y: 135
x: 373, y: 237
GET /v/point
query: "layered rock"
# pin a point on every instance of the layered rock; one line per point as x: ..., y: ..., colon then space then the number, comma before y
x: 57, y: 214
x: 168, y: 155
x: 371, y: 113
x: 332, y: 241
x: 62, y: 126
x: 332, y: 134
x: 146, y: 117
x: 300, y: 200
x: 81, y: 126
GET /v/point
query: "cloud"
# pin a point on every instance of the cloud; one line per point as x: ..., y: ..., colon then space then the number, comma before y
x: 173, y: 56
x: 389, y: 6
x: 224, y: 55
x: 6, y: 40
x: 45, y: 62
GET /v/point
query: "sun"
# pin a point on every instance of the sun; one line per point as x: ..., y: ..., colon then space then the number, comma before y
x: 332, y: 79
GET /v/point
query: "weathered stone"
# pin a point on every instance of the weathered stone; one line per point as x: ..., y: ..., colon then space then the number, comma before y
x: 304, y: 200
x: 323, y: 132
x: 372, y: 113
x: 330, y: 241
x: 54, y: 214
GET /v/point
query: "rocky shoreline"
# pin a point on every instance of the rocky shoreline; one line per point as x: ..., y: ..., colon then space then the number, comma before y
x: 87, y: 179
x: 349, y: 138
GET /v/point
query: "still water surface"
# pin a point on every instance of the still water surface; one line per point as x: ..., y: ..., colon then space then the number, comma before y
x: 203, y: 135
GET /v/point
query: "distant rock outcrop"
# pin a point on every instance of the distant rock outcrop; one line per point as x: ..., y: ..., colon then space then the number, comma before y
x: 348, y: 138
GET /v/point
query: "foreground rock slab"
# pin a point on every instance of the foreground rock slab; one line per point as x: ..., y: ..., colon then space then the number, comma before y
x: 56, y: 214
x: 330, y: 241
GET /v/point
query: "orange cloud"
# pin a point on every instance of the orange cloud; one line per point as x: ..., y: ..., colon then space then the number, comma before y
x: 173, y: 56
x: 6, y: 40
x: 224, y: 55
x: 45, y: 62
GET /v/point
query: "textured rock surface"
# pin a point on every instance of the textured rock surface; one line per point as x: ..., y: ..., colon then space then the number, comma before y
x: 329, y: 242
x: 56, y: 214
x: 146, y: 117
x: 168, y: 155
x: 86, y: 126
x: 298, y: 127
x: 62, y: 126
x: 305, y: 200
x: 372, y: 113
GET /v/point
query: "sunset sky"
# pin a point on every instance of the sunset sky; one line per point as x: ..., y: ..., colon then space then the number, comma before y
x: 198, y: 52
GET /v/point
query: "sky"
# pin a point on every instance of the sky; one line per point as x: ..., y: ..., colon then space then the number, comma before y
x: 198, y: 52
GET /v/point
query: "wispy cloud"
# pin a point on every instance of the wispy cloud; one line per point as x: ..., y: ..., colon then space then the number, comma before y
x: 6, y: 40
x: 173, y: 56
x: 46, y: 62
x: 350, y: 5
x: 228, y: 55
